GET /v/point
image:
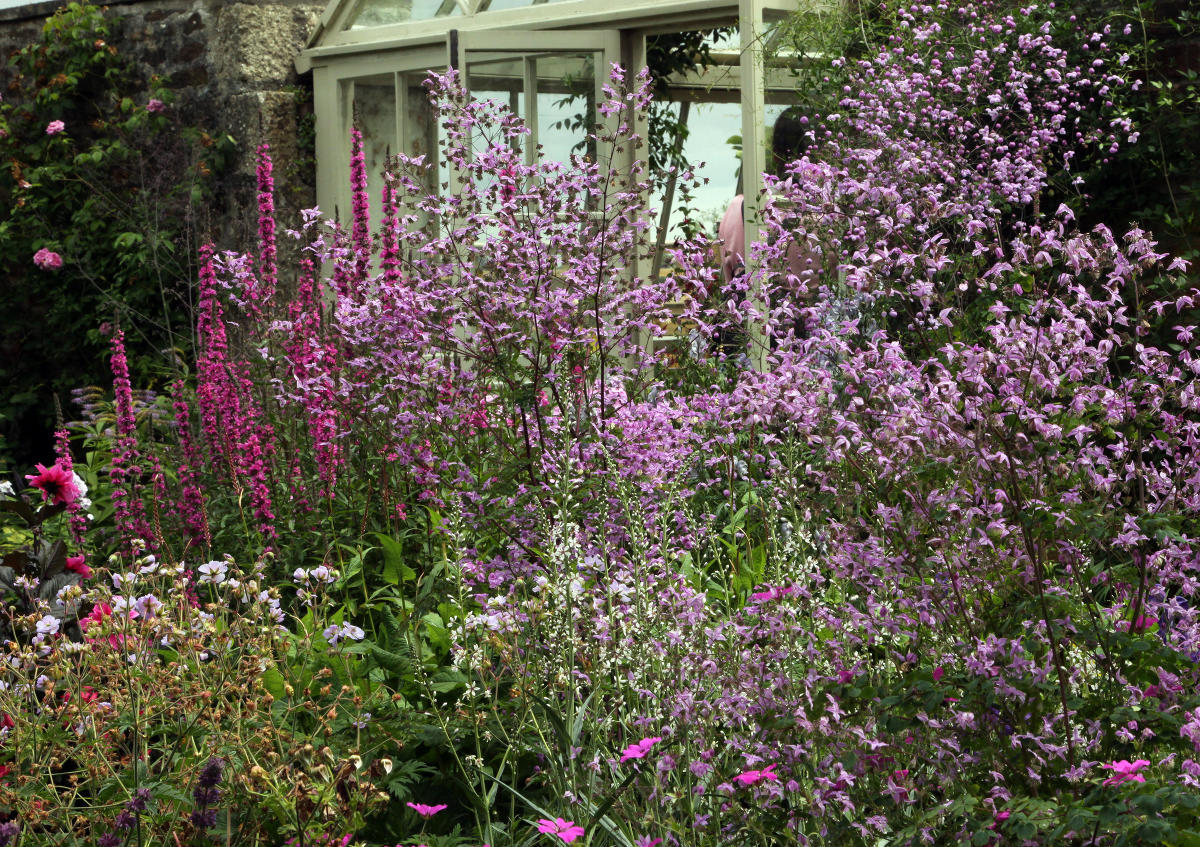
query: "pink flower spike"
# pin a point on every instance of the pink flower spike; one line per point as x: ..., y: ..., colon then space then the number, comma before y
x: 639, y: 750
x: 568, y: 831
x: 55, y: 127
x: 47, y: 260
x: 424, y: 810
x: 1125, y: 771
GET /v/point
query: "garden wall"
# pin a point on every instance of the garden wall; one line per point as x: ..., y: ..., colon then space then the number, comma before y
x: 231, y: 66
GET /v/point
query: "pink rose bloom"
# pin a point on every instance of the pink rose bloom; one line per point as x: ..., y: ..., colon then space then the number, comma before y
x: 568, y: 831
x: 1124, y: 771
x: 47, y: 260
x: 55, y: 127
x: 154, y: 105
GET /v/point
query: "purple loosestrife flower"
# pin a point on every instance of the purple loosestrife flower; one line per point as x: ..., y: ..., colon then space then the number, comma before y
x: 77, y: 508
x: 361, y: 209
x: 125, y: 470
x: 267, y: 270
x: 568, y: 831
x: 195, y: 519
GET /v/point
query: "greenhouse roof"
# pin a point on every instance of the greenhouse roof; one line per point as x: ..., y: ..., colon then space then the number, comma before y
x: 354, y: 26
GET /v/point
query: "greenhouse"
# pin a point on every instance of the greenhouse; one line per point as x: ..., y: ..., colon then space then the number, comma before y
x: 369, y: 59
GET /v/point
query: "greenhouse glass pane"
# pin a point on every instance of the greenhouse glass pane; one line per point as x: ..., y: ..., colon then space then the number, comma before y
x: 371, y: 13
x: 566, y: 106
x: 375, y: 114
x: 500, y: 5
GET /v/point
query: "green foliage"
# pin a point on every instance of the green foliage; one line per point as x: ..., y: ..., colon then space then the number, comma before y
x: 1155, y: 182
x: 114, y: 194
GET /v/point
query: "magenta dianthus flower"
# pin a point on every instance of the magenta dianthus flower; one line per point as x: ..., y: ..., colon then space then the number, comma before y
x: 424, y: 810
x: 568, y: 831
x: 1125, y: 771
x: 748, y: 778
x: 639, y: 750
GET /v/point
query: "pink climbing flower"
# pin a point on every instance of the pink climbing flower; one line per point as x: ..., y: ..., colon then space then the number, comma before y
x: 568, y: 831
x: 1124, y: 771
x: 47, y: 260
x: 639, y: 750
x: 424, y: 810
x: 55, y: 127
x: 154, y: 105
x: 748, y: 778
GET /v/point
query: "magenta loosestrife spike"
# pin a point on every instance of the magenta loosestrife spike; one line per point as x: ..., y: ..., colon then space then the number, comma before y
x: 268, y: 276
x: 216, y: 393
x: 77, y: 517
x: 389, y: 248
x: 195, y: 520
x: 125, y: 469
x: 361, y: 233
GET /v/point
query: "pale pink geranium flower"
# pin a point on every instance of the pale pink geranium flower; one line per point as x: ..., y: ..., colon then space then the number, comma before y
x: 568, y: 831
x: 767, y: 774
x: 639, y: 750
x: 424, y: 810
x: 55, y: 127
x: 47, y: 260
x: 1124, y: 771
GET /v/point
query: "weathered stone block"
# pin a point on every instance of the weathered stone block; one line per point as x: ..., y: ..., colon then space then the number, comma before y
x: 255, y: 46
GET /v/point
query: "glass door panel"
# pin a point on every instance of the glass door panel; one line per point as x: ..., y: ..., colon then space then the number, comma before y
x: 551, y: 80
x: 375, y: 116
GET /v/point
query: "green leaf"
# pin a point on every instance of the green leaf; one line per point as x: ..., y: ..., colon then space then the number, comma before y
x: 445, y: 681
x: 395, y: 571
x: 273, y: 681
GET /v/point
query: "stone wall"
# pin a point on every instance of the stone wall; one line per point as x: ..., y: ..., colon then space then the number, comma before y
x: 231, y: 67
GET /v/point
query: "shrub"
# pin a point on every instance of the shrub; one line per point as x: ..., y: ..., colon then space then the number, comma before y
x: 100, y: 188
